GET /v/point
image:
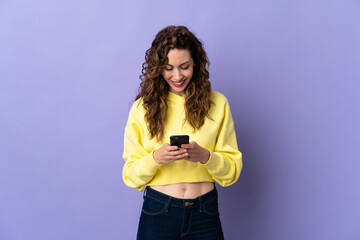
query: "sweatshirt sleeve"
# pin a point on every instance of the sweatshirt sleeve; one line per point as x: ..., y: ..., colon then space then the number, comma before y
x: 225, y: 162
x: 140, y: 166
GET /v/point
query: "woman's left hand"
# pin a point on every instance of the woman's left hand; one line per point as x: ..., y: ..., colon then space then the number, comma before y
x: 196, y: 153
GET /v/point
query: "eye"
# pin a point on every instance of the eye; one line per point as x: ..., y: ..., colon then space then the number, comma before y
x: 168, y: 69
x: 185, y: 67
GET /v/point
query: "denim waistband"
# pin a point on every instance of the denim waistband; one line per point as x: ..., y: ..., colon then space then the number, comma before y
x: 179, y: 202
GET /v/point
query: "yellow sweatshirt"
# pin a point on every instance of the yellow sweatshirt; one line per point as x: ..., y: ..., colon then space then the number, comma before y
x: 217, y: 135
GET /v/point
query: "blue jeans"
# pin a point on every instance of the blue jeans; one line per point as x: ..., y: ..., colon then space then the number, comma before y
x: 165, y: 217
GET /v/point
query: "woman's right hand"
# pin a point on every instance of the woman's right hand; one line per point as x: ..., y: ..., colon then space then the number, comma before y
x: 168, y: 154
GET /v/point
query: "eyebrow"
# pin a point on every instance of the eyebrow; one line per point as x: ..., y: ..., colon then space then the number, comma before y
x: 180, y: 64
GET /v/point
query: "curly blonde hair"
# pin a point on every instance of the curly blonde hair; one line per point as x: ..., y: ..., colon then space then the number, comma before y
x: 154, y: 89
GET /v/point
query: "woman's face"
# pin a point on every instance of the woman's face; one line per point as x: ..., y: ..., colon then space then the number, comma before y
x: 179, y: 70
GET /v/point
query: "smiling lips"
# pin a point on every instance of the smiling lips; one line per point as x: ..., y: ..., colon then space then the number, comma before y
x: 178, y: 83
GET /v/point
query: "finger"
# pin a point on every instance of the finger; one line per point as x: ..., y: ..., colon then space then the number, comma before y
x: 182, y: 156
x: 177, y: 153
x: 187, y: 146
x: 171, y: 148
x: 184, y: 145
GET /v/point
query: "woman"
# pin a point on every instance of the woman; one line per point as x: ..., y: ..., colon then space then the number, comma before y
x: 175, y: 98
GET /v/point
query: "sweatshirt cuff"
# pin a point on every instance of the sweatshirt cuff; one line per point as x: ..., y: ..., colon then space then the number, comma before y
x: 213, y: 161
x: 150, y: 164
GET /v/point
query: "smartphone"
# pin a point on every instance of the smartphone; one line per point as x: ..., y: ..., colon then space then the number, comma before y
x: 177, y: 140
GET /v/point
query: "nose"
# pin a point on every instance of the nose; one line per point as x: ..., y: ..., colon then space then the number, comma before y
x: 177, y: 75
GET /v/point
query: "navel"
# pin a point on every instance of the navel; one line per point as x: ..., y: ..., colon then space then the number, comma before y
x: 183, y: 190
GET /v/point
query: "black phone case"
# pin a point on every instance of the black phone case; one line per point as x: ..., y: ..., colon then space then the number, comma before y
x: 177, y: 140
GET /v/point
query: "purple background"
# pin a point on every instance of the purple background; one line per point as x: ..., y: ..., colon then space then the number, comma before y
x: 69, y: 72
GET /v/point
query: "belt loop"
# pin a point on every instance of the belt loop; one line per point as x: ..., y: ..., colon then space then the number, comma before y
x: 168, y: 204
x: 200, y: 202
x: 144, y: 193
